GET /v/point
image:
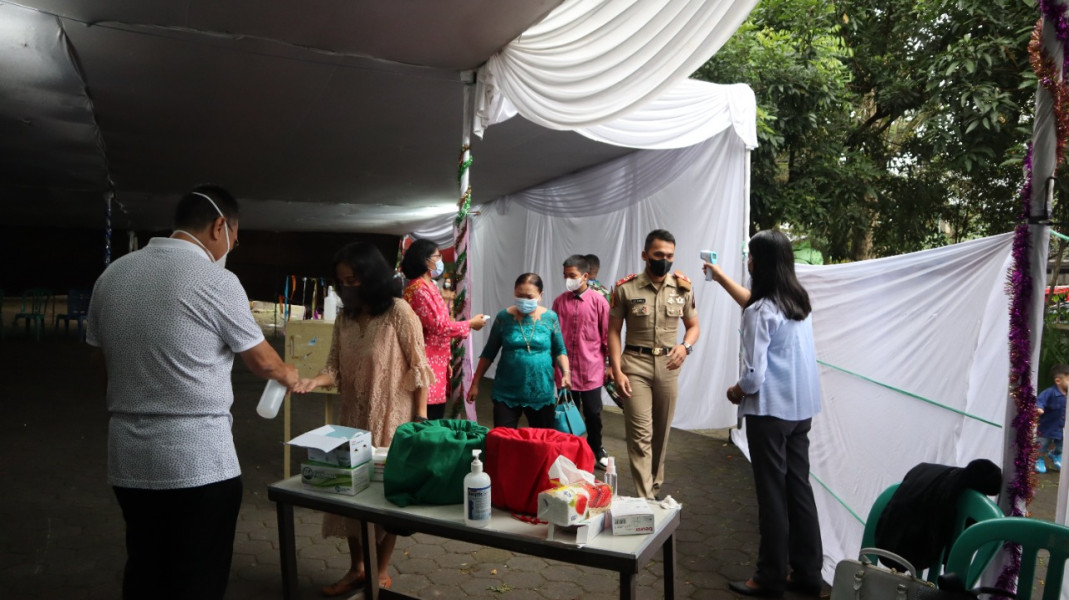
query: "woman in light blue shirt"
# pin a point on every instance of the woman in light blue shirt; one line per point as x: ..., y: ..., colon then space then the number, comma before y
x: 778, y: 394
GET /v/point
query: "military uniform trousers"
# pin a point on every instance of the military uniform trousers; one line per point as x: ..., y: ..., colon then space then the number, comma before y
x: 648, y: 417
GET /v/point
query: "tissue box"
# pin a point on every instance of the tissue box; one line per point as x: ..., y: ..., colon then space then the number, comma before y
x: 378, y: 463
x: 567, y: 505
x: 337, y: 480
x: 336, y: 446
x: 631, y: 516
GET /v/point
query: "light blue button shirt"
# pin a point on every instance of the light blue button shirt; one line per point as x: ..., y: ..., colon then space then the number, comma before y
x: 779, y: 365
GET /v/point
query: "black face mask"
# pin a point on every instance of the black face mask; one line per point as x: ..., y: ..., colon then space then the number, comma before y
x: 350, y: 296
x: 659, y: 268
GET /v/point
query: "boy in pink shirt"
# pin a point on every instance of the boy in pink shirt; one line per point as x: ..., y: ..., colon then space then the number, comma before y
x: 584, y: 322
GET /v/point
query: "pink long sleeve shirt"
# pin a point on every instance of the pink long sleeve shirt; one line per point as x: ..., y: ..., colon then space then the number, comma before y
x: 584, y: 321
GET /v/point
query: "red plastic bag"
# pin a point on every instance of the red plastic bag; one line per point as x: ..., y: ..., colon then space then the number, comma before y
x: 518, y: 462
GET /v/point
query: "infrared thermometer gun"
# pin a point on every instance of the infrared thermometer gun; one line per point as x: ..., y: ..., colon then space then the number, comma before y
x: 710, y: 257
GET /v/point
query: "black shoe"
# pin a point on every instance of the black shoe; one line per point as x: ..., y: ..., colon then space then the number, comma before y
x: 601, y: 459
x: 740, y: 587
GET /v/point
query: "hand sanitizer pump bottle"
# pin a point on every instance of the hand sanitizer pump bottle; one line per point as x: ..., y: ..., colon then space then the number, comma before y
x: 476, y: 494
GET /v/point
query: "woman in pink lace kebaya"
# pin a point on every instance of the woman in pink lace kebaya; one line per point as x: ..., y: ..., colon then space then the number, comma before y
x: 376, y: 333
x: 422, y: 264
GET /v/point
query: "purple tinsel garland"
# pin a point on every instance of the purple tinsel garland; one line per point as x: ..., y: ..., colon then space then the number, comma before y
x: 1020, y: 489
x: 1054, y: 12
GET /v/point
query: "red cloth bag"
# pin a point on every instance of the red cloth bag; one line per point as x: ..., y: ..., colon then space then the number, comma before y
x: 518, y: 461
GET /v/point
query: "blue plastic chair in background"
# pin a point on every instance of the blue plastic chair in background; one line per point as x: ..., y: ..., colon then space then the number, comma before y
x: 1032, y: 534
x: 77, y: 309
x: 34, y: 305
x: 973, y: 507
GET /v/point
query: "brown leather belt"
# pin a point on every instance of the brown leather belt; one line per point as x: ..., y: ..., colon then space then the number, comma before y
x: 644, y: 350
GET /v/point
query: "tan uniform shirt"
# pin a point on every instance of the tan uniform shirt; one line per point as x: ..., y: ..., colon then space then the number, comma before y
x: 652, y: 313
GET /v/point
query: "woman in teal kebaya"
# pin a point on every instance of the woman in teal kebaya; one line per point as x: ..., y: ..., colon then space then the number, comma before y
x: 529, y: 339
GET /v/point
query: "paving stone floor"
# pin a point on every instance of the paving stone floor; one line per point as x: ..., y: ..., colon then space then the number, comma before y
x: 62, y: 531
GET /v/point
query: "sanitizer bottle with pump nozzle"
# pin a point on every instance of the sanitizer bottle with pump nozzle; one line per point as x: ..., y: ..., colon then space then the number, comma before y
x: 476, y: 494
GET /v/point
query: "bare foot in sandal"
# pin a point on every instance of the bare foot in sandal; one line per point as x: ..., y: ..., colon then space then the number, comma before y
x: 347, y: 584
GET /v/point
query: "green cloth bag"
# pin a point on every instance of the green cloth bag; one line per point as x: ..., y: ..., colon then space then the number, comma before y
x: 427, y: 461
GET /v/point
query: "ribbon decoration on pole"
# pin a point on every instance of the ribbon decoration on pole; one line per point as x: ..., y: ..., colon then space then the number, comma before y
x: 1026, y: 281
x: 460, y: 359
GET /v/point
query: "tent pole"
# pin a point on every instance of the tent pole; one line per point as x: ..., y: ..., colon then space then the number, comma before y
x: 461, y: 353
x: 1018, y: 486
x: 107, y: 227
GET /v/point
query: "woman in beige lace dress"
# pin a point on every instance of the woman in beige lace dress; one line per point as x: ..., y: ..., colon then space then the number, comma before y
x: 378, y: 363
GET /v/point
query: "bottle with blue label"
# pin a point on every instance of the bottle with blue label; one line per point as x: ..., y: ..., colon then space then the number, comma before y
x: 476, y: 494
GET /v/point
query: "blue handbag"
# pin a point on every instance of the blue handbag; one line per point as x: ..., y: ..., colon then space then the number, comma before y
x: 568, y: 419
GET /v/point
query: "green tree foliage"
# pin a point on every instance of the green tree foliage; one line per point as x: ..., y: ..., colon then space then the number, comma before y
x: 885, y: 126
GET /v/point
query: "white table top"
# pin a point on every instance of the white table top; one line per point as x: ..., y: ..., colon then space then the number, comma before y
x: 371, y: 503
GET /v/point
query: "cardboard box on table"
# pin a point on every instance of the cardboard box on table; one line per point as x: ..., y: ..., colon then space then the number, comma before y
x: 631, y: 516
x: 336, y: 446
x: 339, y: 459
x: 337, y: 480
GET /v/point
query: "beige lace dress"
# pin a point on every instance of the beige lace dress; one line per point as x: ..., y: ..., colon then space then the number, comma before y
x: 378, y: 368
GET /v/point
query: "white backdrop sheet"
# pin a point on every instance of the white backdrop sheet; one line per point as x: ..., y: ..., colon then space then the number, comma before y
x: 700, y: 194
x: 896, y: 337
x: 591, y: 61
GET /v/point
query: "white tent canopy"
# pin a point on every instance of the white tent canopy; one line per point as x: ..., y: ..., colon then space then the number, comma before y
x: 329, y: 116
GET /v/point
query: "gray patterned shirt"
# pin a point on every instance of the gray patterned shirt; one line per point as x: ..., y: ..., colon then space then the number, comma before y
x: 169, y: 322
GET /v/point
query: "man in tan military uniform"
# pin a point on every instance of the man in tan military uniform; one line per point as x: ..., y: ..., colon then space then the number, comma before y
x: 646, y: 367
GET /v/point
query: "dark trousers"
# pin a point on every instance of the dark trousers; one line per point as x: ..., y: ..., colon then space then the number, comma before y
x: 786, y: 511
x: 506, y: 416
x: 436, y: 411
x: 590, y: 401
x: 179, y: 543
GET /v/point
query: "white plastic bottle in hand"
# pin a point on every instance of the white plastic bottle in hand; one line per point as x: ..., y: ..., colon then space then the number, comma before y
x: 271, y: 399
x: 476, y: 494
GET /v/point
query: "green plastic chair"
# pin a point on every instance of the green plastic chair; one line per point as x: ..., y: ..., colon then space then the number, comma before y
x: 34, y: 305
x: 1032, y: 534
x: 973, y: 507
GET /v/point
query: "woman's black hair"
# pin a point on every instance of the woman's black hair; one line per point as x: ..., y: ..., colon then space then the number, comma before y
x: 378, y: 285
x: 531, y: 278
x: 773, y: 275
x: 414, y: 264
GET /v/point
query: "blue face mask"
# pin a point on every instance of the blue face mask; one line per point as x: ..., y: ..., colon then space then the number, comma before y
x: 439, y: 268
x: 526, y: 305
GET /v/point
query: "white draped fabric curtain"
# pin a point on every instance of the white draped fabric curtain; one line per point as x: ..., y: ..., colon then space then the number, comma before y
x: 592, y: 61
x: 700, y: 194
x: 913, y: 368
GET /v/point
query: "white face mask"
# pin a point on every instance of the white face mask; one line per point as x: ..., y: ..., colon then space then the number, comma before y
x: 573, y: 285
x: 226, y: 230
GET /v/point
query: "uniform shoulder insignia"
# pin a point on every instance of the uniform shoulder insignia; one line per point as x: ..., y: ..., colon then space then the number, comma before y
x: 626, y: 279
x: 682, y: 280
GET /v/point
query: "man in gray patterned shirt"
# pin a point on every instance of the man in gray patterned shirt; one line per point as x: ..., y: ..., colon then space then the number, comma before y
x: 167, y: 321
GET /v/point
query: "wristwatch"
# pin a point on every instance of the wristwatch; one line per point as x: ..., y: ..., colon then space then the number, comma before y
x: 688, y: 348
